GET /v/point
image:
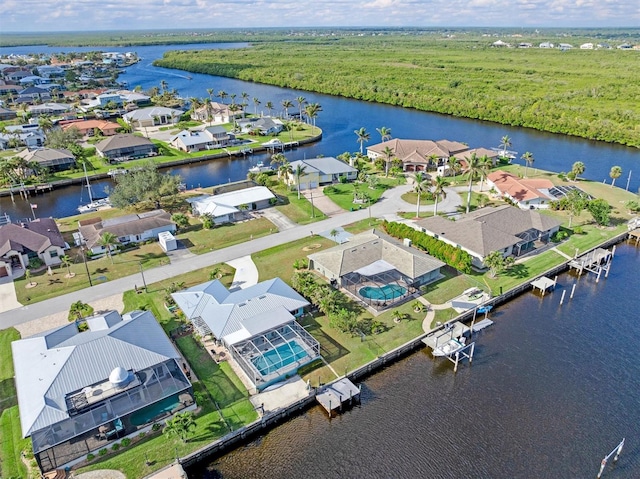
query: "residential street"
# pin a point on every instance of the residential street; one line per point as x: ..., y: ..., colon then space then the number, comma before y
x: 387, y: 207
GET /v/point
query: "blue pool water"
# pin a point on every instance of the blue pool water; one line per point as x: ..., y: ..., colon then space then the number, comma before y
x: 279, y: 357
x: 386, y: 292
x: 146, y: 414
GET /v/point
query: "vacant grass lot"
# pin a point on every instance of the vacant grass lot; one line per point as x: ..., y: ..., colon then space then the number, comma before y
x: 297, y: 210
x: 200, y: 240
x: 342, y: 194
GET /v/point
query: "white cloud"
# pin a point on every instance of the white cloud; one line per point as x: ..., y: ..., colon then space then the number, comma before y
x: 55, y: 15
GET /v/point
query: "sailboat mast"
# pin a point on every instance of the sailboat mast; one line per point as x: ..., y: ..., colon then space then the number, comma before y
x: 86, y: 176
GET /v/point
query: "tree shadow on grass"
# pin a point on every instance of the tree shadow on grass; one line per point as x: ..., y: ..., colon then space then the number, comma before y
x: 517, y: 271
x: 330, y: 348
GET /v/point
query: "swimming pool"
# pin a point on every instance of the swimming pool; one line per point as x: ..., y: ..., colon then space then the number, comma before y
x: 274, y: 359
x: 383, y: 293
x: 146, y: 414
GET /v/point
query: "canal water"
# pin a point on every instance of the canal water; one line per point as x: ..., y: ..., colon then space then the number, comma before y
x: 338, y: 119
x: 551, y: 391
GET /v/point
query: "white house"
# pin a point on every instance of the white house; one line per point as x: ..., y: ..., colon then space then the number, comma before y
x: 153, y: 116
x: 321, y: 171
x: 225, y: 207
x: 265, y: 125
x: 207, y: 138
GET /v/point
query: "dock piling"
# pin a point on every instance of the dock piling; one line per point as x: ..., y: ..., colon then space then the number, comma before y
x: 562, y: 298
x: 573, y: 289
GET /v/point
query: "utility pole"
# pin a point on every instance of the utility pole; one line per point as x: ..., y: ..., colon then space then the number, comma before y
x: 142, y: 273
x: 84, y: 257
x: 313, y: 212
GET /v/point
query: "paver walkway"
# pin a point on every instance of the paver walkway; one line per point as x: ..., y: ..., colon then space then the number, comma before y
x: 102, y: 474
x: 246, y: 272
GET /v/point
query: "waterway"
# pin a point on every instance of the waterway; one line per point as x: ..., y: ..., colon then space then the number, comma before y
x: 338, y: 119
x: 551, y: 391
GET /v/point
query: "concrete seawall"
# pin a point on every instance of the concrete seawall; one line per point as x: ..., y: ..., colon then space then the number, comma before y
x: 271, y: 420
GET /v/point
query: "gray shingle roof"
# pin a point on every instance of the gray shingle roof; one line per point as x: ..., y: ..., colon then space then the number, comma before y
x: 134, y: 224
x: 366, y: 248
x: 117, y: 142
x: 53, y: 364
x: 37, y: 236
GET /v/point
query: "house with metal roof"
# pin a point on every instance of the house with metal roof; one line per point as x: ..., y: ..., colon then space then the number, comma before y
x: 321, y: 171
x: 377, y: 269
x: 417, y: 155
x: 19, y: 243
x: 79, y: 391
x: 227, y: 207
x: 133, y: 228
x: 126, y: 147
x: 507, y: 229
x: 207, y: 138
x: 257, y: 325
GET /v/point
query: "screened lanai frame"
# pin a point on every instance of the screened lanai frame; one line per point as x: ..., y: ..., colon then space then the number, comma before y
x: 354, y: 281
x: 248, y: 352
x: 155, y: 383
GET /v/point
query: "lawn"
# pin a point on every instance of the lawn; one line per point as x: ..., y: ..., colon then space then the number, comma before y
x: 362, y: 225
x: 103, y: 269
x: 278, y: 261
x: 342, y: 194
x: 447, y: 288
x: 297, y: 210
x: 200, y: 240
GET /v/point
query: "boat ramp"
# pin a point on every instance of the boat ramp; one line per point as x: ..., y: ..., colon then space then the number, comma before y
x: 336, y: 395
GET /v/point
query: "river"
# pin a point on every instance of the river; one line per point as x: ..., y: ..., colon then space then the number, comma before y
x: 551, y: 391
x: 339, y: 119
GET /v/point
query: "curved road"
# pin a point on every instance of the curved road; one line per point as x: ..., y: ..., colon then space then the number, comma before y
x: 387, y: 207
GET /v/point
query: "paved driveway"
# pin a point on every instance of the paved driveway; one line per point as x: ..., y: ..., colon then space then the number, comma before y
x: 8, y: 298
x: 321, y: 202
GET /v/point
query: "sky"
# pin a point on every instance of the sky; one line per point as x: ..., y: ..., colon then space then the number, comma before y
x: 87, y: 15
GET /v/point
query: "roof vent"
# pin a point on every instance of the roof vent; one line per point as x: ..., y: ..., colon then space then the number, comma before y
x: 120, y: 377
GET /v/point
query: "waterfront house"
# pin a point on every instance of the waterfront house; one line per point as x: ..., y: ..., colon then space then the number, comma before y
x: 133, y: 228
x: 229, y: 206
x: 506, y: 229
x: 526, y: 193
x: 124, y: 147
x: 6, y: 114
x: 265, y: 125
x: 53, y: 159
x: 79, y: 391
x: 33, y: 94
x: 417, y: 155
x: 49, y: 109
x: 30, y: 135
x: 257, y: 325
x: 88, y: 128
x: 321, y: 171
x: 208, y: 138
x: 214, y: 114
x: 153, y: 116
x: 376, y: 268
x: 20, y: 243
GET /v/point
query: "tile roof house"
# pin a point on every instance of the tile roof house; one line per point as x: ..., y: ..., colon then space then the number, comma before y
x: 124, y: 147
x: 418, y: 155
x: 207, y: 138
x: 79, y: 391
x: 257, y: 325
x: 132, y: 228
x: 525, y: 192
x: 88, y: 127
x: 507, y: 229
x: 374, y: 259
x: 19, y: 243
x: 51, y: 158
x: 216, y: 113
x: 321, y: 171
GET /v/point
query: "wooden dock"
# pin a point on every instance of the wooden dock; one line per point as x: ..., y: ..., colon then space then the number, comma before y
x: 595, y: 261
x: 481, y: 325
x: 635, y: 234
x: 336, y: 395
x: 543, y: 284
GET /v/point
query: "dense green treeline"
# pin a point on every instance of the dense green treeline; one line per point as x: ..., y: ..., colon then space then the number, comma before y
x: 587, y: 93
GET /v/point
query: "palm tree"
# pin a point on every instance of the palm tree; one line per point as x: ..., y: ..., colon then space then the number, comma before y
x: 388, y: 153
x: 363, y: 135
x: 278, y: 159
x: 233, y: 98
x: 385, y: 133
x: 286, y: 104
x: 421, y: 187
x: 66, y: 261
x: 615, y: 173
x: 210, y: 92
x: 334, y: 234
x: 180, y: 425
x: 487, y: 163
x: 222, y: 94
x: 301, y: 101
x: 164, y: 85
x: 269, y: 106
x: 505, y: 143
x: 475, y: 167
x: 107, y: 240
x: 300, y: 170
x: 438, y: 191
x: 528, y: 161
x: 577, y: 169
x: 312, y: 110
x: 208, y: 109
x: 285, y: 171
x: 454, y: 165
